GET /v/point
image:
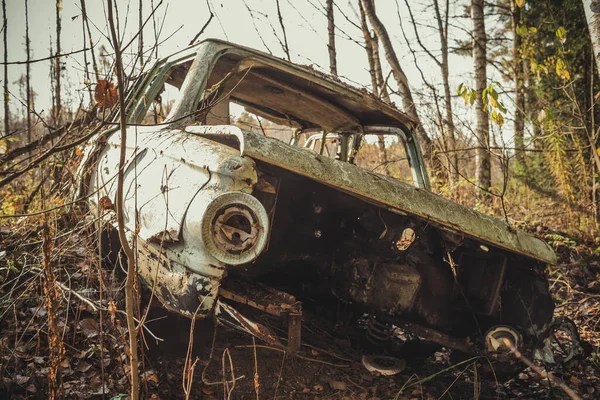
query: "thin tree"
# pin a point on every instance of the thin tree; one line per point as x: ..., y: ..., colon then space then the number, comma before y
x: 91, y: 42
x: 141, y: 34
x: 518, y: 71
x: 442, y: 22
x: 408, y: 103
x: 331, y: 33
x: 446, y: 123
x: 28, y: 72
x: 57, y: 67
x: 482, y: 124
x: 129, y: 283
x: 86, y: 69
x: 286, y: 47
x: 372, y: 49
x: 6, y: 97
x: 592, y: 14
x: 369, y: 48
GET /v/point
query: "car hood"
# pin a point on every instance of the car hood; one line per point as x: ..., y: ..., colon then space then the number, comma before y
x: 385, y: 192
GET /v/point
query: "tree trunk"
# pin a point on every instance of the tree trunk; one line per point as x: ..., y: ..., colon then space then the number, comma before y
x: 372, y: 48
x: 57, y: 67
x: 369, y: 48
x: 6, y: 96
x: 28, y: 72
x: 408, y: 103
x: 381, y: 83
x: 141, y: 33
x: 450, y: 132
x: 286, y: 49
x: 592, y: 14
x: 482, y: 127
x: 518, y: 72
x: 331, y: 33
x: 90, y: 41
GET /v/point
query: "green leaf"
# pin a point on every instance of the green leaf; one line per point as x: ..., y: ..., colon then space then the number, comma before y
x: 501, y: 107
x: 459, y: 89
x: 561, y: 70
x: 561, y: 34
x: 492, y: 92
x: 532, y: 29
x: 473, y: 97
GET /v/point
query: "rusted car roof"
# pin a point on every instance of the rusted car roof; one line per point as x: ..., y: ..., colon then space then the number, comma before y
x: 343, y: 104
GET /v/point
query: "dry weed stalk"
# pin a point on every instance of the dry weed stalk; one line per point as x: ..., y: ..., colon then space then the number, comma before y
x: 51, y: 304
x: 131, y: 264
x: 189, y: 366
x: 256, y: 376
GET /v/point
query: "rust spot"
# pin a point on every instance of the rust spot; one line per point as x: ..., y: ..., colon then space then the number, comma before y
x: 170, y: 236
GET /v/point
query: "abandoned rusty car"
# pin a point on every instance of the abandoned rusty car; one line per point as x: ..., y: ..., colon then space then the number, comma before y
x: 295, y: 205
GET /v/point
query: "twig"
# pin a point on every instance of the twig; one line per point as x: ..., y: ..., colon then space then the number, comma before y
x: 205, y: 25
x: 131, y: 264
x: 296, y: 355
x: 544, y: 374
x: 286, y: 48
x: 43, y: 59
x: 226, y: 382
x: 96, y: 308
x: 279, y: 377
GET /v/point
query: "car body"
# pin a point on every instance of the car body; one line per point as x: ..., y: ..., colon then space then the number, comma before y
x: 208, y: 203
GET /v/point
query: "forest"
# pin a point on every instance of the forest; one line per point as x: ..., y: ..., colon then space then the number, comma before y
x: 473, y: 129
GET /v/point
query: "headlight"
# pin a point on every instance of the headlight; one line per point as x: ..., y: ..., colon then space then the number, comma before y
x: 235, y: 228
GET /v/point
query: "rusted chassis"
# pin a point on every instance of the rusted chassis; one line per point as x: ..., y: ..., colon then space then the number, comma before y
x: 314, y: 240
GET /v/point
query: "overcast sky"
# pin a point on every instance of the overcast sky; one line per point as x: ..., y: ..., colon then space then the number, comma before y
x: 180, y: 20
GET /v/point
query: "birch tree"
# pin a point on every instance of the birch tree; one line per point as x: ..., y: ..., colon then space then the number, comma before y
x: 331, y: 34
x: 408, y: 103
x: 482, y: 123
x: 518, y: 71
x: 5, y: 97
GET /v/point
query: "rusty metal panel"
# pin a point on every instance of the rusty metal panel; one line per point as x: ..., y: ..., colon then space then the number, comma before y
x: 389, y: 193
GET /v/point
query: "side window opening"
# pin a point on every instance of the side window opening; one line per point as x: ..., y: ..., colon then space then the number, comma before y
x: 386, y: 155
x: 166, y: 90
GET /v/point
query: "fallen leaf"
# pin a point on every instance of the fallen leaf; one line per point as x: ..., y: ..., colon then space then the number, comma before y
x: 151, y: 376
x: 106, y: 94
x: 20, y: 379
x: 574, y: 380
x: 83, y: 367
x: 523, y: 376
x: 338, y: 385
x: 319, y: 388
x: 89, y: 327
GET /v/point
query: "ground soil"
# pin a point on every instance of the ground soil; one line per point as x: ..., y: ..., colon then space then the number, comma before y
x: 94, y: 365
